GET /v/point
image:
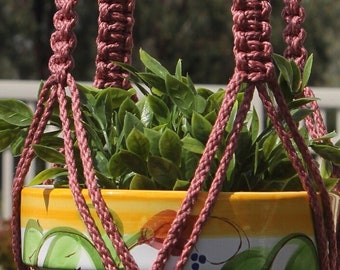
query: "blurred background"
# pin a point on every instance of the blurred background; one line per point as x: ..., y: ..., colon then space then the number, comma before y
x: 199, y: 32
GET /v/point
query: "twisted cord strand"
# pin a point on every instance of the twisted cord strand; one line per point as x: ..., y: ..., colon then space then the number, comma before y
x: 35, y: 132
x: 326, y: 209
x: 94, y: 192
x: 219, y: 177
x: 253, y: 53
x: 114, y: 42
x: 303, y: 175
x: 294, y: 35
x: 74, y: 185
x: 200, y: 174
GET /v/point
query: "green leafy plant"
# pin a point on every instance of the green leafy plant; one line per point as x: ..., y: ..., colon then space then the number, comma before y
x: 156, y: 143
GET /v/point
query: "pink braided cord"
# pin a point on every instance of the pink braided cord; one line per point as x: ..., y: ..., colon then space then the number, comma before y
x: 62, y: 43
x: 253, y: 64
x: 114, y: 42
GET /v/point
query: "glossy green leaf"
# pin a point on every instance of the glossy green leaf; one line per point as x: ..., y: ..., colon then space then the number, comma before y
x: 200, y: 127
x: 178, y: 70
x: 284, y: 67
x: 133, y: 162
x: 199, y: 104
x: 153, y: 137
x: 32, y: 238
x: 138, y: 143
x: 159, y: 109
x: 18, y: 144
x: 118, y: 95
x: 180, y: 94
x: 116, y: 165
x: 307, y: 71
x: 48, y: 154
x: 181, y: 185
x: 163, y: 171
x: 131, y: 122
x: 170, y: 146
x: 15, y: 112
x: 50, y: 173
x: 296, y: 78
x: 297, y: 103
x: 153, y: 80
x: 328, y: 152
x: 7, y: 136
x: 193, y: 145
x: 142, y: 182
x: 152, y: 64
x: 127, y: 106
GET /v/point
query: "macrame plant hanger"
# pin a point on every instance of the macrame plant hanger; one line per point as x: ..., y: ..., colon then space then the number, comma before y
x: 253, y: 65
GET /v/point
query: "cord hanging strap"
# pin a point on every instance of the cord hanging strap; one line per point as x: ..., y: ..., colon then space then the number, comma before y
x: 253, y: 53
x: 61, y: 63
x: 114, y: 42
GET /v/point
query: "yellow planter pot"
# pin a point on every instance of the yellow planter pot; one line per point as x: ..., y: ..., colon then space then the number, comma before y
x: 244, y: 230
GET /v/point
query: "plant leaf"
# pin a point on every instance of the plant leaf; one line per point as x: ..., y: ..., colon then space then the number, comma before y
x: 163, y: 171
x: 15, y: 112
x: 7, y: 136
x: 48, y: 154
x: 152, y: 64
x: 159, y: 109
x: 193, y: 145
x: 200, y: 127
x: 138, y: 143
x: 307, y: 71
x: 142, y: 182
x: 170, y: 146
x: 50, y: 173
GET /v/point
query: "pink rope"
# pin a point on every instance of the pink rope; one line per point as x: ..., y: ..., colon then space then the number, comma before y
x: 114, y: 42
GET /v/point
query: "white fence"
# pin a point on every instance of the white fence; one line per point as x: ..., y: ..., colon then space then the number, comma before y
x: 27, y: 90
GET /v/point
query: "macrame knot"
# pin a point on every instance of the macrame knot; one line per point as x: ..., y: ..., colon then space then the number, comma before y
x: 63, y: 40
x: 252, y: 48
x: 114, y: 42
x: 294, y: 34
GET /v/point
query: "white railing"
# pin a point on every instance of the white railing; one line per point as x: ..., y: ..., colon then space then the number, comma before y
x: 27, y: 90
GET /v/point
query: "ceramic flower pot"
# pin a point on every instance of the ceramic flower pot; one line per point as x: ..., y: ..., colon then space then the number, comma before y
x: 245, y: 230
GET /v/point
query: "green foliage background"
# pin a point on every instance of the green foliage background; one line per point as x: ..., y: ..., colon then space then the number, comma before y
x: 197, y: 31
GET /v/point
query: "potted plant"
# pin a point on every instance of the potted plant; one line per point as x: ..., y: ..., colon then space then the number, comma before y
x: 141, y: 151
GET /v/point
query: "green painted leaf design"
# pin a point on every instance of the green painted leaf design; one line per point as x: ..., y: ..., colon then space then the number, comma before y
x: 304, y: 247
x: 32, y: 238
x: 65, y: 249
x: 15, y: 112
